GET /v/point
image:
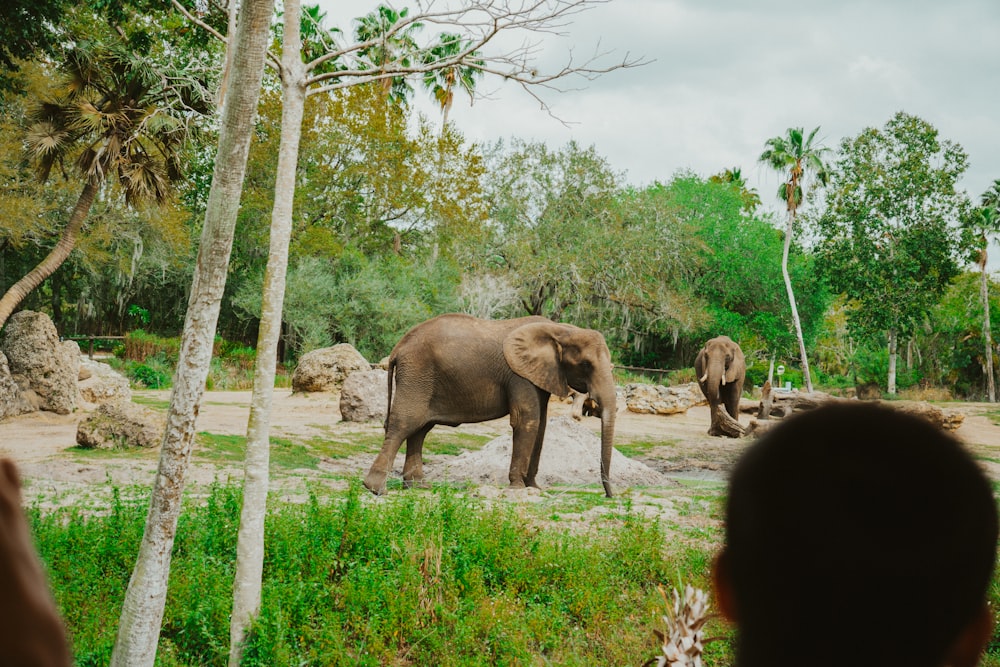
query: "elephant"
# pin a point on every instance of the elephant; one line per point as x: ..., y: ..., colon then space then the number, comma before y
x: 721, y: 370
x: 455, y: 369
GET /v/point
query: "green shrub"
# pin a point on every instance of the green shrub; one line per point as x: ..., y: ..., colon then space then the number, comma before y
x: 423, y: 578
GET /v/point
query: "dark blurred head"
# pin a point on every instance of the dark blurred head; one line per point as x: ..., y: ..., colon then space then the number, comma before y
x: 856, y: 535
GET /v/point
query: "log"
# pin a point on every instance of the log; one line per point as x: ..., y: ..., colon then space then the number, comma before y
x: 724, y: 424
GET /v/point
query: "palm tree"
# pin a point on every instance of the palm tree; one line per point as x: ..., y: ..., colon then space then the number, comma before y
x: 388, y: 44
x: 441, y: 82
x: 984, y: 223
x: 801, y: 161
x: 119, y: 117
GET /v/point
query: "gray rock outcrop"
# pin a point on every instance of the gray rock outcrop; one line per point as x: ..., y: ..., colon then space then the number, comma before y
x: 363, y: 396
x: 121, y: 424
x: 45, y: 370
x: 327, y: 368
x: 12, y: 403
x: 99, y: 383
x: 659, y: 400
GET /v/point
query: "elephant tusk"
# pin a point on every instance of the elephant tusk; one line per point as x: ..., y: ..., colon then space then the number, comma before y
x: 704, y: 378
x: 723, y: 380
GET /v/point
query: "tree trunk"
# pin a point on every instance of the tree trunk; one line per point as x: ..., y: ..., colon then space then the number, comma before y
x: 806, y: 378
x: 23, y: 287
x: 984, y: 293
x: 142, y: 610
x: 250, y: 542
x: 891, y: 384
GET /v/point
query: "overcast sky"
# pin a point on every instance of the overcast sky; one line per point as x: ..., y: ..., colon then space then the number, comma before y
x: 727, y: 75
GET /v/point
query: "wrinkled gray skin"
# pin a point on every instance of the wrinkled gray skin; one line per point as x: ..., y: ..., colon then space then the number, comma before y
x: 455, y: 369
x: 721, y: 370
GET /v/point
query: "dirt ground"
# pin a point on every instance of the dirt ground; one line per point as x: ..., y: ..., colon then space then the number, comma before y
x: 56, y: 471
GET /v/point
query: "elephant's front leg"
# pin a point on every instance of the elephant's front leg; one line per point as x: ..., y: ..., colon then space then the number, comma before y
x: 413, y: 467
x: 526, y: 418
x: 536, y: 450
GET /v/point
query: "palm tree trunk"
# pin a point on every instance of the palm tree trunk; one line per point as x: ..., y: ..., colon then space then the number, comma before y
x: 23, y: 287
x: 807, y: 379
x: 142, y: 610
x: 984, y: 293
x: 250, y: 541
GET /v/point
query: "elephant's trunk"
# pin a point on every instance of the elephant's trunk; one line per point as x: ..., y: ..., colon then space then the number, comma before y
x: 608, y: 403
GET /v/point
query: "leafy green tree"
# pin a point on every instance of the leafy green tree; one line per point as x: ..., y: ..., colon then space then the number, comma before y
x: 889, y: 233
x: 983, y: 223
x: 736, y: 270
x: 553, y: 211
x: 734, y: 177
x: 26, y: 27
x: 121, y: 117
x: 795, y: 155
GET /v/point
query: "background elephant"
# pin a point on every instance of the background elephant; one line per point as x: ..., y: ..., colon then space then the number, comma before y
x: 721, y: 370
x: 455, y: 369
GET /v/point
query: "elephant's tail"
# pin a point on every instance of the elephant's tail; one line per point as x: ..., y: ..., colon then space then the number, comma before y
x: 388, y: 402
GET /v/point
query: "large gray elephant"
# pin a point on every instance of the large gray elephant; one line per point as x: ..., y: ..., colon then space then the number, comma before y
x: 455, y: 369
x: 721, y: 370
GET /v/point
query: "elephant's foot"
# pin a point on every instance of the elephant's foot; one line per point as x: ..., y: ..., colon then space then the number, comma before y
x: 375, y: 482
x: 414, y: 482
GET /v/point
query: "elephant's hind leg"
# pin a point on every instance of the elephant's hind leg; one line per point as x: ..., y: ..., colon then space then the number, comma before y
x: 413, y: 467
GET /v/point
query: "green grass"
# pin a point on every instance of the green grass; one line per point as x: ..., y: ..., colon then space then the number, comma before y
x: 642, y: 447
x: 338, y: 448
x: 155, y: 403
x: 423, y: 577
x: 453, y: 443
x: 285, y: 454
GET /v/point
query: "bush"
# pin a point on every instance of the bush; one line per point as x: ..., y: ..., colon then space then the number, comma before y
x: 436, y: 577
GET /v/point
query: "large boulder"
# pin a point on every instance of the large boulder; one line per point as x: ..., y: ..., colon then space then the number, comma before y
x: 12, y: 402
x: 659, y: 400
x: 45, y: 370
x: 363, y: 397
x: 327, y: 368
x: 99, y: 383
x: 120, y: 425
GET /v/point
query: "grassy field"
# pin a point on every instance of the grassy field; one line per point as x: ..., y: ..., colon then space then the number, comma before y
x: 423, y: 577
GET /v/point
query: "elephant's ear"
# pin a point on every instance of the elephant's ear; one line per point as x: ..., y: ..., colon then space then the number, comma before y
x: 533, y: 352
x: 737, y: 368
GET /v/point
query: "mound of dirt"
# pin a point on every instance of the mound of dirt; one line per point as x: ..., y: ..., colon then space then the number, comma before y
x: 570, y: 456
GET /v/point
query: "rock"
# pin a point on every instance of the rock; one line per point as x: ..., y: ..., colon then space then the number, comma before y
x: 327, y: 368
x: 571, y: 455
x: 121, y: 424
x: 12, y: 401
x: 46, y: 370
x: 363, y: 397
x: 659, y: 400
x: 102, y: 383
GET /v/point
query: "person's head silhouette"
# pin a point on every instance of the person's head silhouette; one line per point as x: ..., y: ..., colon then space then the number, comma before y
x: 858, y: 535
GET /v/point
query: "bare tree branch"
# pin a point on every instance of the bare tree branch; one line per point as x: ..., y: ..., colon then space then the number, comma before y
x: 482, y: 25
